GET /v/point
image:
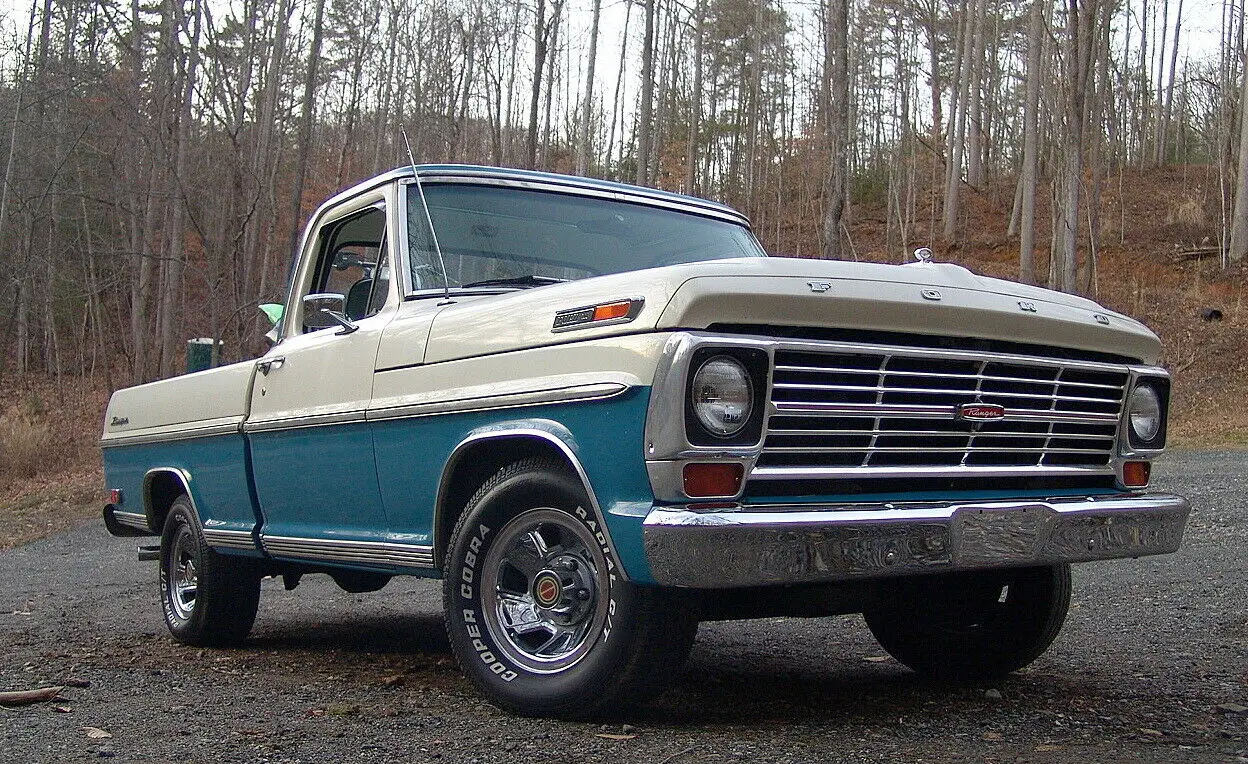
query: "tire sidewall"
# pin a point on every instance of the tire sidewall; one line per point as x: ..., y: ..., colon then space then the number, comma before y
x: 180, y: 522
x: 1012, y: 637
x: 508, y: 683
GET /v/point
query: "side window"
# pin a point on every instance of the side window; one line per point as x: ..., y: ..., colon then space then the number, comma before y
x: 353, y: 262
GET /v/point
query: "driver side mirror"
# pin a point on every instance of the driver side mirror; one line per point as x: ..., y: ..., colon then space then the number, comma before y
x: 321, y: 310
x: 317, y: 307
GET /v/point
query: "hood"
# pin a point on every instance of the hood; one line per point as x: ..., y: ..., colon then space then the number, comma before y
x: 923, y: 298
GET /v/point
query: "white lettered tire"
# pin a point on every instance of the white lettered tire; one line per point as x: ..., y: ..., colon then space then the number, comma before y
x: 209, y: 599
x: 537, y: 611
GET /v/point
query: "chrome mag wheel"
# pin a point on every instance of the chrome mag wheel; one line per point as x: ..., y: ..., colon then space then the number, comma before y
x: 183, y: 574
x: 542, y: 595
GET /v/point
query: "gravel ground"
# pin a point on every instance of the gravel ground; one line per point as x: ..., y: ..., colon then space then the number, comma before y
x: 1151, y: 666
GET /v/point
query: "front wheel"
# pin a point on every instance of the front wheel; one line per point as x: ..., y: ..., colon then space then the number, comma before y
x: 209, y: 599
x: 536, y: 610
x: 972, y: 625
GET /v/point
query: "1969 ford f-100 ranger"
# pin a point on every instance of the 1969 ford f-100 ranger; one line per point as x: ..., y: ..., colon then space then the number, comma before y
x: 600, y: 413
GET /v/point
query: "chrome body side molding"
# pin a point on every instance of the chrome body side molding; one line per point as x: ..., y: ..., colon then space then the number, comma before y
x: 574, y: 393
x: 230, y: 539
x: 349, y: 552
x: 189, y: 433
x: 125, y: 523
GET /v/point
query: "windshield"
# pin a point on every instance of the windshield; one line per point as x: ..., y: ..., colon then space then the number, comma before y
x: 495, y: 237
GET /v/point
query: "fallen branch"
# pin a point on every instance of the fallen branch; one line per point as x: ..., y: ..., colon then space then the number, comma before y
x: 26, y: 697
x: 1194, y: 253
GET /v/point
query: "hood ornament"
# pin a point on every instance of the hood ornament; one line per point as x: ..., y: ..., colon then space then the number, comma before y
x: 923, y: 254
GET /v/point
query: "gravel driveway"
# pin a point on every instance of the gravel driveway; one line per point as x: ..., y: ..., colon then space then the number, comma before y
x: 1151, y: 666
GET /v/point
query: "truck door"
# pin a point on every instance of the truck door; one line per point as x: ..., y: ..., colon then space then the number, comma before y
x: 311, y: 448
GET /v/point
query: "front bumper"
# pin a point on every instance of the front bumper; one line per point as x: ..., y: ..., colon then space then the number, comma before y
x: 753, y: 546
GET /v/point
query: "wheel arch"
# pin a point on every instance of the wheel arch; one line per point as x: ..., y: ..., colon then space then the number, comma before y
x: 161, y: 487
x: 484, y: 452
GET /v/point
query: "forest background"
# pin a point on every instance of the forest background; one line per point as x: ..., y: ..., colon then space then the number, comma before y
x: 159, y: 157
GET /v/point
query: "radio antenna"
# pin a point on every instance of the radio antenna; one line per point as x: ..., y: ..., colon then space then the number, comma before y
x: 420, y: 189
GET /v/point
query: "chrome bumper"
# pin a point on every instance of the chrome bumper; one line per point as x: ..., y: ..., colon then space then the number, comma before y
x: 753, y: 546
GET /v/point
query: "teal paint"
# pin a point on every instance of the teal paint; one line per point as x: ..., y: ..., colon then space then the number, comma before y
x: 217, y: 465
x: 606, y: 436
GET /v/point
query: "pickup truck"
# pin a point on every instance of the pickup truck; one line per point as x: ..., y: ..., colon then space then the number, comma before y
x: 601, y: 414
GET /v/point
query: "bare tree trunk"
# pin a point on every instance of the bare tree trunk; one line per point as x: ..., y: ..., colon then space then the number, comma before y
x: 1143, y: 88
x: 1158, y: 95
x: 1080, y: 33
x: 587, y: 108
x: 695, y: 100
x: 171, y: 288
x: 956, y: 139
x: 556, y: 18
x: 1239, y: 218
x: 1031, y: 150
x: 836, y: 184
x: 305, y: 127
x: 975, y: 175
x: 617, y: 108
x: 1163, y: 112
x: 535, y: 97
x: 645, y: 112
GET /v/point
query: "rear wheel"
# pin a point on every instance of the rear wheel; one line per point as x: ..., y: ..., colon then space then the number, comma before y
x: 209, y: 599
x: 972, y: 625
x: 536, y: 610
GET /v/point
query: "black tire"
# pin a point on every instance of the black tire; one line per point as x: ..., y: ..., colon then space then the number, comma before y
x: 536, y: 611
x: 972, y: 625
x: 209, y: 599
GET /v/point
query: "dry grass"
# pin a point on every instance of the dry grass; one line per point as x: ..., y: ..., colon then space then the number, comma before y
x: 45, y: 506
x: 49, y: 465
x: 25, y: 443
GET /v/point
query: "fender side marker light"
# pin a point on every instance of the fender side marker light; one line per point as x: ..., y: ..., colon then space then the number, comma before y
x: 614, y: 312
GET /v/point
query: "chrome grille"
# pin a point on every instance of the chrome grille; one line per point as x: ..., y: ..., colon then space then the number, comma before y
x: 843, y: 412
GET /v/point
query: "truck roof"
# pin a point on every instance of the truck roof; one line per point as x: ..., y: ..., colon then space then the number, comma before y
x: 547, y: 181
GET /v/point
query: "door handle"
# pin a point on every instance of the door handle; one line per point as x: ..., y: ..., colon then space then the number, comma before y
x: 270, y: 364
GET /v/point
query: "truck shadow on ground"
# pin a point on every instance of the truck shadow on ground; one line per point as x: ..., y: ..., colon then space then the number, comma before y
x: 723, y: 683
x: 841, y: 693
x: 390, y: 634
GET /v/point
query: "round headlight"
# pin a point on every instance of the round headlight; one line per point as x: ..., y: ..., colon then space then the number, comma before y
x: 1145, y: 413
x: 723, y: 396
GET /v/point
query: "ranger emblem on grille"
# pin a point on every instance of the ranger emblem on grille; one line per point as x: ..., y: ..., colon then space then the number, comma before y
x: 981, y: 412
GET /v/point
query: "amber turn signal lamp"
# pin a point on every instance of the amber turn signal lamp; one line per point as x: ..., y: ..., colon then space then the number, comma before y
x: 717, y: 479
x: 1135, y: 474
x: 612, y: 310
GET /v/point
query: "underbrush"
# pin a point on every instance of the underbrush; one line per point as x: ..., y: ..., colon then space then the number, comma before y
x: 49, y: 463
x: 25, y: 443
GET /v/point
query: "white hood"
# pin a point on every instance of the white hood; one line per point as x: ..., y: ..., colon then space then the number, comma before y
x: 944, y: 300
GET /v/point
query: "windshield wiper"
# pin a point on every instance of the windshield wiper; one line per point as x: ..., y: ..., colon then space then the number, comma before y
x: 529, y: 280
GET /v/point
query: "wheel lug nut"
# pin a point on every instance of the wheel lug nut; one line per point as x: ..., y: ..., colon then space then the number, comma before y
x: 568, y: 565
x: 582, y: 594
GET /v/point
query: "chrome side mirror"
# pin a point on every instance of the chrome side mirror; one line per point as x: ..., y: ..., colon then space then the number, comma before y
x: 318, y: 305
x: 322, y: 310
